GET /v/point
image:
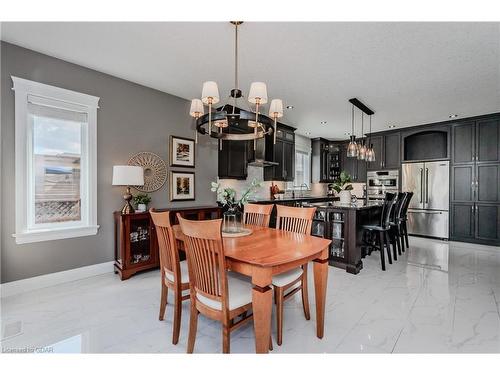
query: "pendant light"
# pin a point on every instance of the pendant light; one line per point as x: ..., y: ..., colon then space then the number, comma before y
x: 362, y: 147
x: 370, y: 153
x: 352, y: 149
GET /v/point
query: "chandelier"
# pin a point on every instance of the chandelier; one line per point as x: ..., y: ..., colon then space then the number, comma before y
x: 214, y: 122
x: 361, y: 150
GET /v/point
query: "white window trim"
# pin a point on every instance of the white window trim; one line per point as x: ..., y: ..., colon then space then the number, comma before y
x: 22, y: 89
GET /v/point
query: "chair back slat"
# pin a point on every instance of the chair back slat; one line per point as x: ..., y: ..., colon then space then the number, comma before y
x: 257, y: 214
x: 294, y: 219
x: 169, y: 255
x: 205, y: 256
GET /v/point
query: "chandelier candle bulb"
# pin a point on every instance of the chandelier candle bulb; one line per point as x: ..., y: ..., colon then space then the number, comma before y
x: 275, y: 112
x: 196, y: 111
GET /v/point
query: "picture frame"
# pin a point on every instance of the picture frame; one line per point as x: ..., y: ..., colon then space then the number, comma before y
x: 182, y: 186
x: 182, y: 152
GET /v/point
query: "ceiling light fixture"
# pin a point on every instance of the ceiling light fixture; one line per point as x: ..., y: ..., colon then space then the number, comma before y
x: 392, y: 126
x: 222, y: 116
x: 323, y: 122
x: 352, y: 149
x: 289, y: 107
x: 453, y: 115
x: 362, y: 146
x: 370, y: 153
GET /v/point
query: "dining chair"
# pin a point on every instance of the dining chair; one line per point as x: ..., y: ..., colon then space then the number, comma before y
x: 257, y: 214
x: 174, y: 273
x: 298, y: 220
x: 379, y: 232
x: 404, y: 219
x: 215, y: 291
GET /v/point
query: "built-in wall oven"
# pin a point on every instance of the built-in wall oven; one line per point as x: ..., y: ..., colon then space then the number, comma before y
x: 381, y: 182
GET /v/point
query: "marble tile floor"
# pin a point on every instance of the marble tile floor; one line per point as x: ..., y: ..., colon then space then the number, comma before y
x: 438, y: 297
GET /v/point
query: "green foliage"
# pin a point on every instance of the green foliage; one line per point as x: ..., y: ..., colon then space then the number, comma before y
x: 343, y: 183
x: 142, y: 199
x: 227, y: 196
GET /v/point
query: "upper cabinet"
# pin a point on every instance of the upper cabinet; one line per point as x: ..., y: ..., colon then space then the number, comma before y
x: 283, y: 153
x: 387, y: 152
x: 426, y: 143
x: 354, y: 167
x: 233, y: 158
x: 476, y: 141
x: 326, y: 163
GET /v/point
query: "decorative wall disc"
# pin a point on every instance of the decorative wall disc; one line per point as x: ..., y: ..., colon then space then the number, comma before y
x: 155, y: 170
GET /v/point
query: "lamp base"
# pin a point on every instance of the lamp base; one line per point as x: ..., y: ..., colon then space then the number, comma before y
x: 127, y: 209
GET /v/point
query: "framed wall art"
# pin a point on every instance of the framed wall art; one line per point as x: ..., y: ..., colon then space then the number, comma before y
x: 181, y: 186
x: 181, y: 152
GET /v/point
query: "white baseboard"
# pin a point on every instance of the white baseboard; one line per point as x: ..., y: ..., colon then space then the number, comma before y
x: 51, y: 279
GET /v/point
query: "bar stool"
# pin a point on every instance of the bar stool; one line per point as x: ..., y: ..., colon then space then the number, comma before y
x: 404, y: 219
x: 395, y: 227
x: 380, y: 233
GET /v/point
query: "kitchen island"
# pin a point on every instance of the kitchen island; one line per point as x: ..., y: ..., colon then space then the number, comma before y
x: 343, y: 224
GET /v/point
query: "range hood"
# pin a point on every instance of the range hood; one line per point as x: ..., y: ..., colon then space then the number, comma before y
x: 238, y: 118
x: 259, y: 155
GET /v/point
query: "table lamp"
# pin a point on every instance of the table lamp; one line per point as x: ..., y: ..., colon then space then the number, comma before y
x: 128, y: 175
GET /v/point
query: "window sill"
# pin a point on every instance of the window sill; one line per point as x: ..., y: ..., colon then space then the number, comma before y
x: 55, y: 234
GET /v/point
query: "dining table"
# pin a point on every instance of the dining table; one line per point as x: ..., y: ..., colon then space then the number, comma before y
x: 267, y: 252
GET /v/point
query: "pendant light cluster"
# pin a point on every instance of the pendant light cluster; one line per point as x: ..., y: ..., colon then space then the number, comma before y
x: 221, y: 118
x: 360, y: 150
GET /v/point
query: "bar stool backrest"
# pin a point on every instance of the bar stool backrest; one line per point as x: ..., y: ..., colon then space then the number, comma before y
x: 396, y: 212
x: 387, y: 208
x: 406, y: 204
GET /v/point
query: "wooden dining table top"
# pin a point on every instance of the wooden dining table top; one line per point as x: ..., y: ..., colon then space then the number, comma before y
x: 269, y: 247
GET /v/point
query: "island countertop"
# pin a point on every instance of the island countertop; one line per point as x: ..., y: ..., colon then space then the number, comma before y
x: 336, y: 205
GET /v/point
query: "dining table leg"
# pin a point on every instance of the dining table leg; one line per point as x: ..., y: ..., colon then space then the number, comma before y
x: 262, y: 301
x: 320, y: 283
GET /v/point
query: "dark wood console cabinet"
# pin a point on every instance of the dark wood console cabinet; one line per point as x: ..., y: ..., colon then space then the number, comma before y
x: 136, y: 244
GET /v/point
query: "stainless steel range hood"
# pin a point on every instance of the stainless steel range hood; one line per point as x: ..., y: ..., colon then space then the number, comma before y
x: 259, y: 155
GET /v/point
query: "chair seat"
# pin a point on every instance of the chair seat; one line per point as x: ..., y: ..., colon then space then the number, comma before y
x: 239, y: 293
x: 184, y: 273
x: 287, y: 277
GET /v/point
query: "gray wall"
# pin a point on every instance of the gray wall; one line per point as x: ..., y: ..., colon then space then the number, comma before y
x: 131, y: 118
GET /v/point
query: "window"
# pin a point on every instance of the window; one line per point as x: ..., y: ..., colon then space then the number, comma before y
x: 56, y: 153
x: 302, y: 169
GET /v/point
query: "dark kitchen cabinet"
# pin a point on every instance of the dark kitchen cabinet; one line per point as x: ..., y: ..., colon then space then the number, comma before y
x: 326, y: 160
x: 488, y: 140
x: 387, y: 152
x: 463, y: 183
x: 391, y: 152
x: 487, y: 222
x: 463, y: 143
x: 476, y: 141
x: 233, y: 158
x: 475, y: 181
x: 462, y: 221
x: 283, y: 153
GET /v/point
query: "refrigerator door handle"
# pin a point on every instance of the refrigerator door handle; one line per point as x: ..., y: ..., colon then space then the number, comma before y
x: 421, y: 185
x: 426, y: 185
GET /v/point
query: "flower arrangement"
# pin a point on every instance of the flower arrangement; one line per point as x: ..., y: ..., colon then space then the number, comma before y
x: 227, y: 196
x: 343, y: 183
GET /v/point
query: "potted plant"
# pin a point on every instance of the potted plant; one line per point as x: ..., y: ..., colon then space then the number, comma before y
x: 343, y: 187
x: 142, y: 201
x: 227, y: 197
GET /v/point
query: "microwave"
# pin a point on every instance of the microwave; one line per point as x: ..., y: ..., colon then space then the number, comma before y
x: 381, y: 182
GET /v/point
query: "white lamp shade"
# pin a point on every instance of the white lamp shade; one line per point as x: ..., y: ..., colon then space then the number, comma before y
x: 276, y: 108
x: 210, y: 90
x: 128, y: 175
x: 258, y: 92
x: 196, y: 109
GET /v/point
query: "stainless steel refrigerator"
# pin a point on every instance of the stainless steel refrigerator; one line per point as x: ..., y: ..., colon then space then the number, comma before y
x: 428, y: 212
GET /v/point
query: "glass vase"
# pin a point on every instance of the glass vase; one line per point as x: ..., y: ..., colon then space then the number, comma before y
x: 232, y: 220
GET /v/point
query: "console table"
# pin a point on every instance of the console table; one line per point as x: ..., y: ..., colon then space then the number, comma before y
x: 136, y: 244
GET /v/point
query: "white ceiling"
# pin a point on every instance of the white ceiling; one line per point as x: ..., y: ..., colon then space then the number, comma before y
x: 408, y: 73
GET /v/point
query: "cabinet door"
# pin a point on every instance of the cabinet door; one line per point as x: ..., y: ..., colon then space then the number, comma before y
x: 487, y: 220
x: 233, y: 159
x: 289, y: 161
x: 278, y: 174
x: 361, y: 171
x: 488, y: 140
x: 488, y: 182
x: 463, y: 143
x: 391, y: 151
x: 377, y: 143
x: 462, y: 220
x: 462, y: 183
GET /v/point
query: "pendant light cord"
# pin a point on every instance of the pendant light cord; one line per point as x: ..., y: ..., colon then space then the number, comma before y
x: 362, y: 128
x: 352, y: 120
